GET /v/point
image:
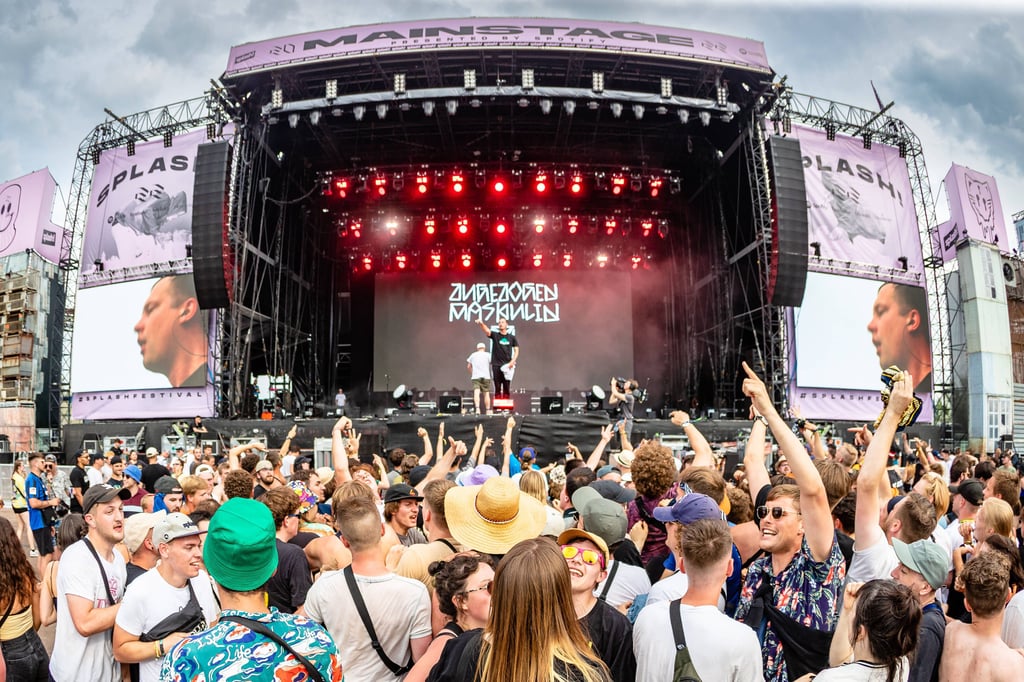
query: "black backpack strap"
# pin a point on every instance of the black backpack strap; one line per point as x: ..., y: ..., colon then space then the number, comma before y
x: 262, y: 629
x: 608, y: 581
x: 676, y: 618
x: 448, y: 542
x: 353, y: 588
x: 103, y: 572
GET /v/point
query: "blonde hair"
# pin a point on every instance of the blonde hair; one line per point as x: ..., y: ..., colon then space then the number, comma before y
x: 936, y: 490
x: 533, y: 484
x: 998, y: 516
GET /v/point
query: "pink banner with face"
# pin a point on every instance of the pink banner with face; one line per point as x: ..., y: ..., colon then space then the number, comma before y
x: 140, y: 210
x: 975, y: 212
x: 25, y: 207
x: 505, y: 32
x: 860, y: 207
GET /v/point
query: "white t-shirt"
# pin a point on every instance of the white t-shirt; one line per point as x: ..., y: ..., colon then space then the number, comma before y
x: 859, y: 671
x: 876, y: 561
x: 150, y: 599
x: 85, y: 658
x: 287, y: 462
x: 720, y: 647
x: 399, y: 609
x: 1013, y: 622
x: 674, y: 587
x: 630, y: 582
x: 953, y: 534
x: 95, y: 476
x: 480, y: 361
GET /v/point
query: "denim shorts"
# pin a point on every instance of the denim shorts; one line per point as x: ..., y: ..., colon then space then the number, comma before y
x: 26, y: 658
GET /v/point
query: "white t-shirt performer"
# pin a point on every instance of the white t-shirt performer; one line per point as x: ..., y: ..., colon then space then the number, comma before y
x: 479, y: 366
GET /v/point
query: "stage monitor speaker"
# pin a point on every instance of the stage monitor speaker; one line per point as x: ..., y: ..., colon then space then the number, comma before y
x: 787, y: 275
x: 212, y: 261
x: 450, y: 404
x: 551, y: 404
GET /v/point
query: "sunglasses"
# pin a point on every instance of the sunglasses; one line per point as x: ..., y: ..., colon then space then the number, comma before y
x: 485, y: 586
x: 587, y: 556
x: 776, y: 512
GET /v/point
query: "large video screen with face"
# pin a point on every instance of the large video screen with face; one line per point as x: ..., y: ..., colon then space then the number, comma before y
x: 574, y: 329
x: 847, y: 331
x: 141, y: 348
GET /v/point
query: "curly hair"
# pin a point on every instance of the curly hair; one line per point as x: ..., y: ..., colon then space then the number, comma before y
x: 741, y: 509
x: 238, y: 483
x: 986, y: 579
x: 19, y: 578
x: 653, y: 470
x: 450, y: 578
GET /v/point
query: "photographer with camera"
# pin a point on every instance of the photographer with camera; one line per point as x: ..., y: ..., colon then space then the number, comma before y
x: 622, y: 395
x: 42, y: 509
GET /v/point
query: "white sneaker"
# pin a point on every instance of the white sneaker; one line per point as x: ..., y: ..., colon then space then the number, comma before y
x: 33, y: 553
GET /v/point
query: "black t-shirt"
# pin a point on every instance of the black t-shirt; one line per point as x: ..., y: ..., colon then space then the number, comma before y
x: 627, y: 552
x: 845, y: 546
x: 151, y: 473
x: 501, y: 347
x: 459, y: 659
x: 303, y: 538
x: 133, y: 573
x: 79, y: 480
x: 612, y: 638
x: 258, y: 491
x: 287, y: 588
x: 925, y: 665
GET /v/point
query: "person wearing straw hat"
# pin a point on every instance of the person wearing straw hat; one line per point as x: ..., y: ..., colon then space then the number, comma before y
x: 240, y: 553
x: 479, y: 365
x: 492, y: 517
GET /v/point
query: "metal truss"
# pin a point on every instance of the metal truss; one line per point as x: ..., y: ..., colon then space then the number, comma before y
x: 116, y: 131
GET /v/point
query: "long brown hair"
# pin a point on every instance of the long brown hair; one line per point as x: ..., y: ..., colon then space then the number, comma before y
x: 19, y: 578
x: 532, y: 624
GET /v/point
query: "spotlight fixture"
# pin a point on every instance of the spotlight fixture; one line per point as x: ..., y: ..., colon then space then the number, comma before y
x: 787, y: 124
x: 276, y: 98
x: 636, y: 183
x: 211, y: 131
x: 359, y: 111
x: 314, y: 117
x: 428, y: 107
x: 684, y: 116
x: 545, y: 106
x: 902, y: 146
x: 662, y: 228
x: 655, y: 185
x: 469, y: 79
x: 131, y: 147
x: 168, y: 138
x: 451, y: 106
x: 399, y: 84
x: 480, y: 179
x: 616, y: 109
x: 666, y: 87
x: 398, y: 182
x: 572, y: 225
x: 569, y: 106
x: 538, y: 225
x: 830, y: 131
x: 721, y: 93
x: 382, y: 111
x: 867, y: 140
x: 528, y: 79
x: 331, y: 89
x: 576, y: 183
x: 422, y: 183
x: 638, y: 111
x: 293, y: 120
x: 705, y: 118
x: 618, y: 183
x: 597, y: 81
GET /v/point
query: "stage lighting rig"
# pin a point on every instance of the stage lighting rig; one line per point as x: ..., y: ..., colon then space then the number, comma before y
x: 469, y: 79
x: 684, y: 116
x: 293, y: 120
x: 721, y: 93
x: 399, y: 84
x: 616, y: 109
x: 576, y: 183
x: 705, y: 118
x: 597, y: 81
x: 528, y: 81
x: 666, y: 87
x: 569, y: 106
x: 131, y: 147
x: 359, y: 111
x: 638, y: 111
x: 168, y: 138
x: 618, y: 183
x: 331, y: 88
x: 867, y: 140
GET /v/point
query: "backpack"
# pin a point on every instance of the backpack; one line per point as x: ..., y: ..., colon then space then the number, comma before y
x: 683, y: 669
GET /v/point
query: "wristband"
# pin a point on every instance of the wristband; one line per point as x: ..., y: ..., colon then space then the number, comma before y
x: 761, y: 418
x: 156, y: 649
x: 685, y: 424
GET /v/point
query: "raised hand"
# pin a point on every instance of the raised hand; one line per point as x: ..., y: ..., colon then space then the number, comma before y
x: 421, y: 432
x: 679, y: 417
x: 755, y: 389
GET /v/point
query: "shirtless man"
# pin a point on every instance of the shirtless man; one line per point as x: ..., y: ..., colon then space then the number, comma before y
x: 975, y: 650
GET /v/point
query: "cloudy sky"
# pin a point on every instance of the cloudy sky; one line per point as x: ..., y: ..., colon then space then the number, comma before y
x: 955, y: 75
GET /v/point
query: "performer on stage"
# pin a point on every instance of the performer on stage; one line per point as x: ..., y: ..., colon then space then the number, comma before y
x: 477, y: 364
x: 504, y: 351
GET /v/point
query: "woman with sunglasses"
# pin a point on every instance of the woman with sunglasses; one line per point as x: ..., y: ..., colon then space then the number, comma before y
x: 532, y: 633
x: 462, y: 585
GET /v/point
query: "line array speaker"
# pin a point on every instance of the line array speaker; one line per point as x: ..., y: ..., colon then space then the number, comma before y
x: 787, y: 276
x: 212, y: 260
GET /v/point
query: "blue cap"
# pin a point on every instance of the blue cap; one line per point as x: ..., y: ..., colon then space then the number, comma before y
x: 693, y: 507
x: 133, y: 471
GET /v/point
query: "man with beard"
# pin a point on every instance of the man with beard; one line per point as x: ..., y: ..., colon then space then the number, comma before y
x: 168, y: 495
x: 264, y: 478
x: 177, y: 585
x: 90, y: 581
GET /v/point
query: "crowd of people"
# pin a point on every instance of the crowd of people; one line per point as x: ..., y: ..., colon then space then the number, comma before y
x: 877, y: 559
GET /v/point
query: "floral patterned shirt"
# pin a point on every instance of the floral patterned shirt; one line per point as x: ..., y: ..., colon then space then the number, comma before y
x: 807, y: 591
x: 231, y: 651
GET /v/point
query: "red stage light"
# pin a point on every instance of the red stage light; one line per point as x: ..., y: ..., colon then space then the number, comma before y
x: 573, y: 224
x: 610, y: 225
x: 463, y: 225
x: 618, y: 183
x: 430, y: 225
x: 656, y: 186
x: 435, y: 260
x: 541, y: 183
x: 502, y: 262
x: 538, y: 260
x: 458, y: 183
x: 538, y: 225
x: 636, y: 260
x: 602, y: 260
x: 381, y: 183
x: 498, y: 186
x: 356, y: 229
x: 576, y: 184
x: 367, y: 263
x: 422, y: 183
x: 646, y: 226
x: 567, y: 260
x: 402, y: 261
x: 501, y: 227
x: 392, y: 228
x: 467, y: 261
x: 341, y: 186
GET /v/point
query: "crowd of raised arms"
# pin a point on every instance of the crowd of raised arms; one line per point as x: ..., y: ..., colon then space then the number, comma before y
x: 873, y: 559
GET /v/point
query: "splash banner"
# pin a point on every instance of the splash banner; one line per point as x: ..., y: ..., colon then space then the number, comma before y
x: 26, y: 204
x: 860, y: 207
x: 140, y: 212
x: 975, y: 212
x: 505, y: 32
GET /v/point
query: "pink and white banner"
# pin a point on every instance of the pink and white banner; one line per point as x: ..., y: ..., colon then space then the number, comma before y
x: 505, y: 32
x: 162, y: 343
x: 860, y: 207
x: 140, y: 211
x: 975, y: 212
x: 26, y: 204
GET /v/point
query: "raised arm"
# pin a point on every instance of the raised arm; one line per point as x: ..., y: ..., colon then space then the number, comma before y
x: 288, y: 439
x: 872, y: 469
x: 444, y: 463
x: 813, y: 438
x: 702, y: 456
x: 339, y: 452
x: 235, y: 452
x: 487, y: 330
x: 753, y: 455
x: 428, y: 449
x: 478, y: 433
x: 595, y: 456
x: 506, y: 446
x: 440, y: 437
x: 614, y: 394
x: 819, y: 531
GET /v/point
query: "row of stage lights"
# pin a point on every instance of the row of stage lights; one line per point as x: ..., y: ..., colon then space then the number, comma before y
x: 458, y: 183
x: 432, y: 225
x: 466, y: 259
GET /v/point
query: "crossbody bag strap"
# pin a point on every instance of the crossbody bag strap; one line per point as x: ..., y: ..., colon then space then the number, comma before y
x: 608, y: 581
x: 262, y: 629
x: 103, y: 572
x: 676, y: 618
x: 353, y: 588
x: 448, y: 542
x: 10, y: 607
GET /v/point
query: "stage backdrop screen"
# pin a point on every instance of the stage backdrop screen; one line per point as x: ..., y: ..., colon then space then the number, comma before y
x: 574, y: 329
x: 845, y: 329
x: 141, y: 349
